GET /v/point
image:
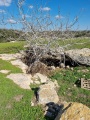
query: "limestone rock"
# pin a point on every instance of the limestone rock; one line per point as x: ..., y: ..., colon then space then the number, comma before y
x: 4, y: 71
x: 10, y: 56
x: 81, y: 56
x: 21, y: 79
x: 39, y: 77
x: 74, y: 111
x: 20, y: 64
x: 47, y: 93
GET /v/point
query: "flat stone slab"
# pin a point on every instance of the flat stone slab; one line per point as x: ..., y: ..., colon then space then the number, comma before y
x: 10, y: 56
x: 19, y: 64
x: 4, y: 71
x: 47, y: 93
x: 21, y: 79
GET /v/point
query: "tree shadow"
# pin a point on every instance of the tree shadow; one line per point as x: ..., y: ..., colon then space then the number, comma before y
x: 36, y: 92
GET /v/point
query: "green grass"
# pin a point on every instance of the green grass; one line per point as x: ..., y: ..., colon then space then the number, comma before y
x: 75, y: 43
x: 6, y: 65
x: 8, y: 90
x: 67, y: 91
x: 21, y: 110
x: 10, y: 47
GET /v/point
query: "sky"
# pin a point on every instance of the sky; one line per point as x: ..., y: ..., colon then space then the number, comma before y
x: 65, y: 11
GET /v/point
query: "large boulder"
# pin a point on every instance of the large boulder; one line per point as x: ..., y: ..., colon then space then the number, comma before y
x: 81, y: 56
x: 47, y: 93
x: 74, y: 111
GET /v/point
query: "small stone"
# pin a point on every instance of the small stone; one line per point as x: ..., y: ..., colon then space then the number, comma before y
x: 72, y: 68
x: 67, y: 66
x: 62, y: 65
x: 53, y: 67
x: 4, y: 71
x: 75, y: 85
x: 32, y: 104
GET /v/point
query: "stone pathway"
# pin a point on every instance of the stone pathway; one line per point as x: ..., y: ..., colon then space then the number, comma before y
x: 22, y: 79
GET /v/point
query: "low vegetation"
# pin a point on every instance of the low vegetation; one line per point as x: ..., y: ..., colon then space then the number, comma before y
x: 11, y: 109
x: 70, y: 88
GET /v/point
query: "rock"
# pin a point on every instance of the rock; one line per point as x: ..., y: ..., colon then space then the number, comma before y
x: 74, y: 111
x: 4, y: 71
x: 62, y: 65
x: 37, y: 82
x: 75, y: 85
x: 68, y: 67
x: 20, y: 64
x: 47, y: 93
x: 72, y: 68
x: 53, y: 67
x: 41, y: 78
x: 21, y: 79
x: 10, y: 56
x: 32, y: 103
x: 81, y: 56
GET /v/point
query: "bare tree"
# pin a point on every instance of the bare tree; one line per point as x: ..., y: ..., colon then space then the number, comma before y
x: 42, y: 33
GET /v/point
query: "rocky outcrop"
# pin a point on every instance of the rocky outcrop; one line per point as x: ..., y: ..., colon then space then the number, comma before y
x: 47, y: 93
x: 74, y: 111
x: 81, y: 56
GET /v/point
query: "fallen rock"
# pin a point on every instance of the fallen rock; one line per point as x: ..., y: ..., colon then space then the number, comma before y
x: 21, y: 79
x: 81, y: 56
x: 74, y: 111
x: 47, y: 93
x: 41, y: 78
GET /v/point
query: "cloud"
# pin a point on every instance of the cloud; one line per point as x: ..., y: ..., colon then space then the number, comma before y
x: 45, y: 9
x: 31, y: 6
x: 11, y: 21
x: 5, y: 2
x: 59, y: 17
x: 2, y: 11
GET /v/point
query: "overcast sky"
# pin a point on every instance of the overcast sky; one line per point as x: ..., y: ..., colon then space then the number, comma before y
x: 58, y: 9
